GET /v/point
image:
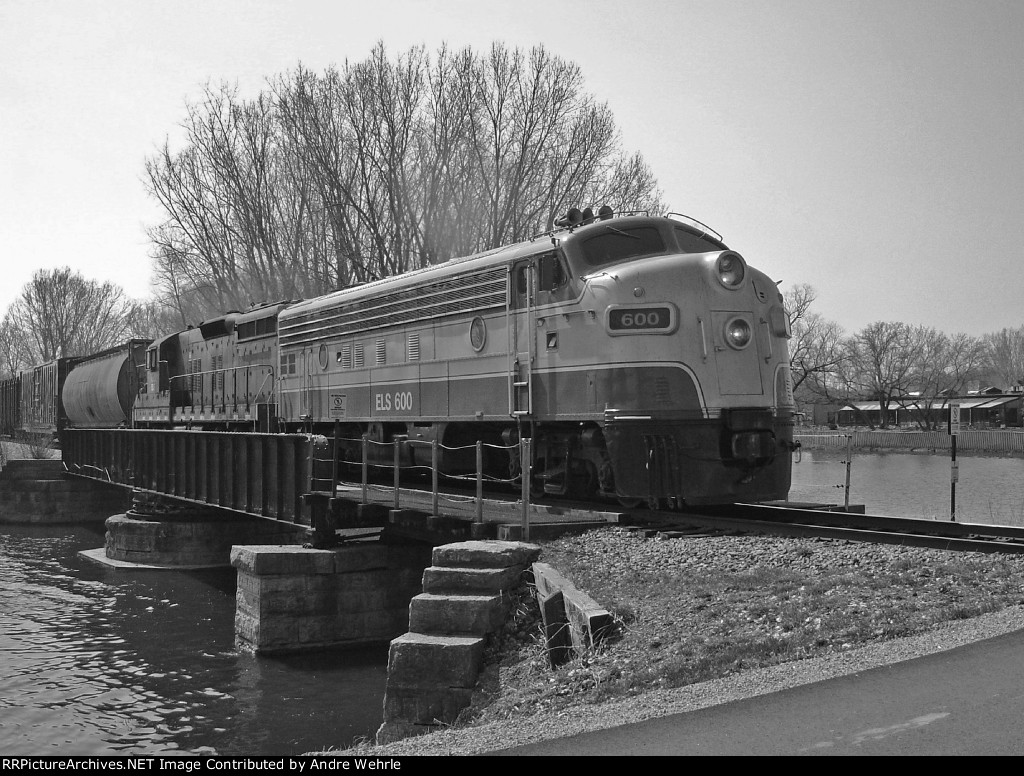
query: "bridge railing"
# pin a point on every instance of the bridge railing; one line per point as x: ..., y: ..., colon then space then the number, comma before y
x: 397, y: 456
x: 259, y: 474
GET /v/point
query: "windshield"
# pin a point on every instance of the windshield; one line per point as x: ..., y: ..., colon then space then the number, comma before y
x: 694, y: 243
x: 613, y: 244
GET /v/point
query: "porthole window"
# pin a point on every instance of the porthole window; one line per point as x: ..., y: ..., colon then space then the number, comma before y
x: 322, y: 356
x: 478, y: 334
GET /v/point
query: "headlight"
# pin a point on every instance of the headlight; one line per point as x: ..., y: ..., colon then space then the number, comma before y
x: 737, y: 333
x: 731, y: 269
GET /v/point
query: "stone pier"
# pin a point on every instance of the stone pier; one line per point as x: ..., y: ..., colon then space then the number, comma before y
x: 291, y: 599
x: 39, y: 491
x: 197, y: 540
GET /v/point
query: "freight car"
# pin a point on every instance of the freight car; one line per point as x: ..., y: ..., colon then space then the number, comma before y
x: 99, y: 390
x: 96, y: 391
x: 30, y: 401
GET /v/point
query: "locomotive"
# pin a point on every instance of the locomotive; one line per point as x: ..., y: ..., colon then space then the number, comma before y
x: 643, y: 359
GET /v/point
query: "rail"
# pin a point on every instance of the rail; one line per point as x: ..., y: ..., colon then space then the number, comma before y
x: 849, y: 526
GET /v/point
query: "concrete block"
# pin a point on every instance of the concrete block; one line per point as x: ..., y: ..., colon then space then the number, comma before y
x: 286, y: 595
x: 588, y: 622
x: 275, y: 559
x: 447, y: 579
x: 557, y: 636
x: 486, y: 554
x: 420, y: 660
x: 277, y: 635
x: 475, y: 615
x: 441, y: 705
x: 317, y: 630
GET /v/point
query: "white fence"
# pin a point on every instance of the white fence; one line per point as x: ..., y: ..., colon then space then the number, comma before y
x: 982, y: 441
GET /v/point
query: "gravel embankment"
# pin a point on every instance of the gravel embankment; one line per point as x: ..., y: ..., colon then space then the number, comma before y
x: 834, y: 606
x: 544, y: 726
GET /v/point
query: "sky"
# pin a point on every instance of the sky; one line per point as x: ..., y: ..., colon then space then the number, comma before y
x: 873, y: 149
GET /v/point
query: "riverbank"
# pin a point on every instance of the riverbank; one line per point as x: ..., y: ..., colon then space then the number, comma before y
x: 1004, y: 441
x: 707, y: 620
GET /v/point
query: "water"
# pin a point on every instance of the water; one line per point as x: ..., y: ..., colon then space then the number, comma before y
x: 990, y: 489
x: 109, y: 661
x: 97, y: 661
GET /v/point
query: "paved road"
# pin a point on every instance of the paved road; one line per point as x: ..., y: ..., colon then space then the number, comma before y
x: 966, y: 701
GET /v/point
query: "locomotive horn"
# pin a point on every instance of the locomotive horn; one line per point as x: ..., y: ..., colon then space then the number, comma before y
x: 604, y: 213
x: 588, y: 216
x: 573, y: 218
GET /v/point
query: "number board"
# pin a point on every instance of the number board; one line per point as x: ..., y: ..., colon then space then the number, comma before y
x: 636, y: 319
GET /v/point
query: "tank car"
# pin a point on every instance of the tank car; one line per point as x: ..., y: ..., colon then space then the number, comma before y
x: 99, y: 390
x: 643, y: 358
x: 95, y: 391
x: 220, y: 374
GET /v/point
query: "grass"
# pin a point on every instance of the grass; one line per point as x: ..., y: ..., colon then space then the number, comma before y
x: 694, y: 609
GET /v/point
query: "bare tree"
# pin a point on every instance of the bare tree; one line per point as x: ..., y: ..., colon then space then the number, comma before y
x: 817, y: 346
x: 881, y: 364
x: 945, y: 366
x: 379, y: 167
x: 1005, y: 355
x: 14, y: 355
x: 60, y: 313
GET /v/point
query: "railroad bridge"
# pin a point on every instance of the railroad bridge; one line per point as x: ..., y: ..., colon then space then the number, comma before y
x: 296, y: 478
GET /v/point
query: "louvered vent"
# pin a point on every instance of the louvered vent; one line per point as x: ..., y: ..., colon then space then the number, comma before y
x: 469, y: 293
x: 662, y: 394
x: 412, y: 348
x: 346, y: 356
x: 382, y: 355
x: 359, y: 361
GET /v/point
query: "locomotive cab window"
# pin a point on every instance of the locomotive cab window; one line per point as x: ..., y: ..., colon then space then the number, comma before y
x: 550, y: 277
x: 551, y: 274
x: 615, y: 245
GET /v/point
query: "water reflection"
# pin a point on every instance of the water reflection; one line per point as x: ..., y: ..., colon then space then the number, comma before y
x: 108, y: 661
x: 990, y: 489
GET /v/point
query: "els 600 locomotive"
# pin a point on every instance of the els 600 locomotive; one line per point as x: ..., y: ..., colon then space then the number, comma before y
x: 643, y: 358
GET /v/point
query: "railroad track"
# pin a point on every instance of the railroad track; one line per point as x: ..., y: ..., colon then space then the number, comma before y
x: 788, y: 521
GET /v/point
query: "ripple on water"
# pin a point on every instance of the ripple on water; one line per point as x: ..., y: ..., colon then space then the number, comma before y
x: 99, y: 661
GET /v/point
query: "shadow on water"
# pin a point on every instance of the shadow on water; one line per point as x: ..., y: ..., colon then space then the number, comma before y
x: 113, y: 661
